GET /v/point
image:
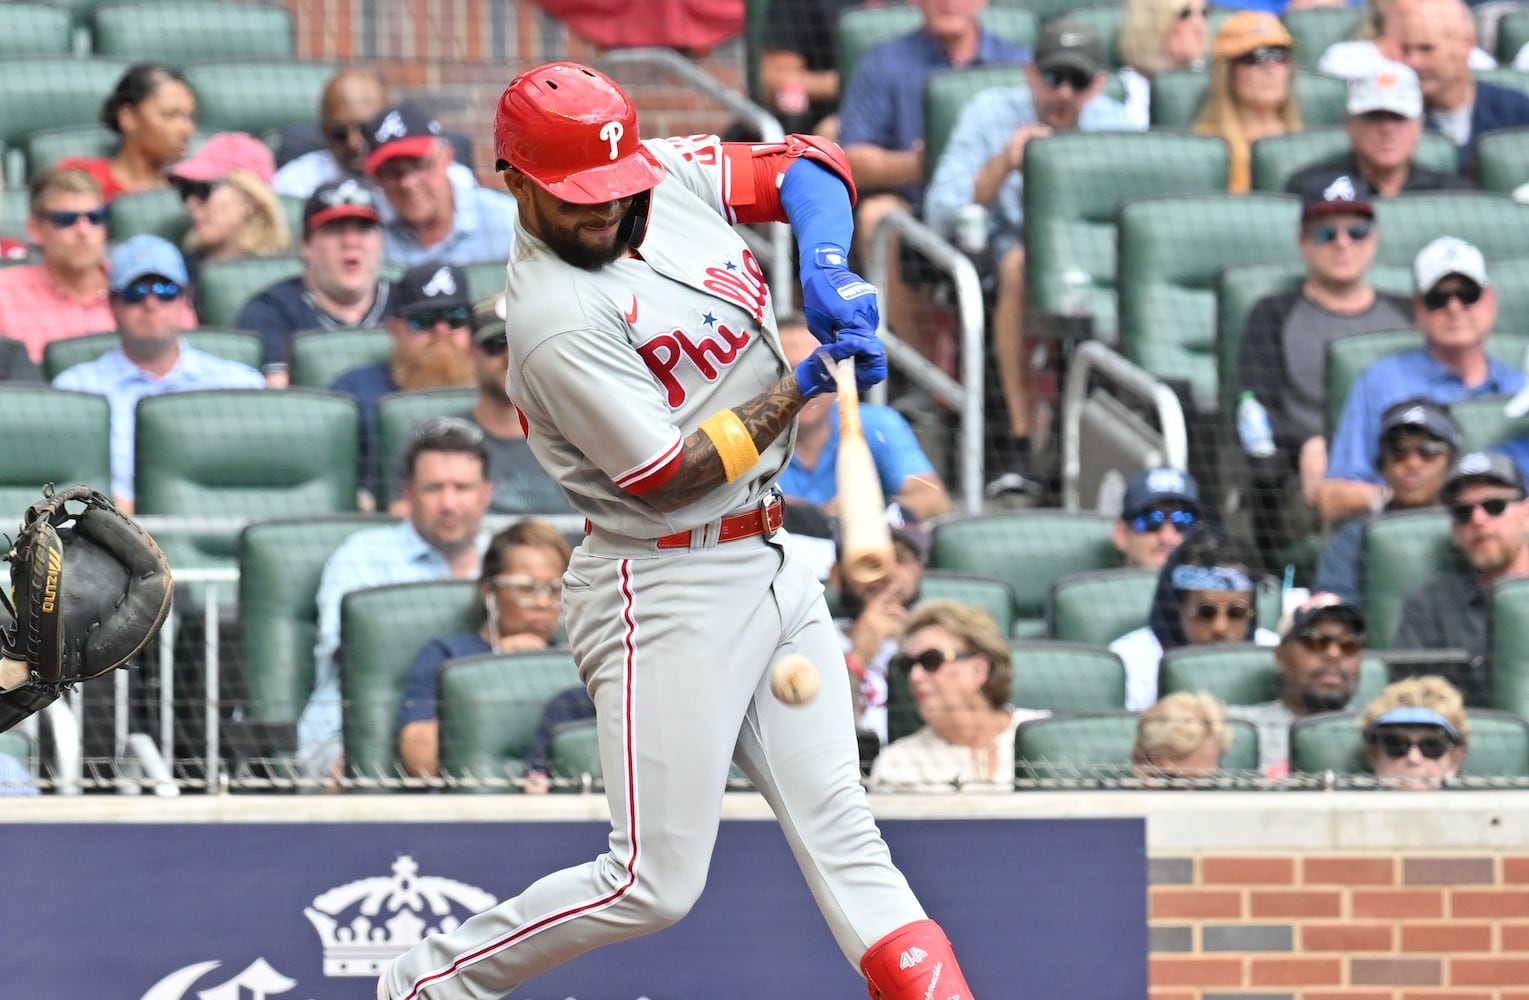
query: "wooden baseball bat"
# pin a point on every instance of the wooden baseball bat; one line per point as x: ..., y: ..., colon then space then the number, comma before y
x: 865, y: 541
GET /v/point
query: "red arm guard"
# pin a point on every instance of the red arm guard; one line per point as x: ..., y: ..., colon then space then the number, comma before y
x: 757, y: 169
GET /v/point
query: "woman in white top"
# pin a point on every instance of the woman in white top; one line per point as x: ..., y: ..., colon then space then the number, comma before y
x: 1155, y: 36
x: 1207, y: 591
x: 959, y: 674
x: 1378, y: 39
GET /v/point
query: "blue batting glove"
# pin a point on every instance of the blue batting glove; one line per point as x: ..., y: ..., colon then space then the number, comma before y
x: 834, y: 297
x: 815, y: 376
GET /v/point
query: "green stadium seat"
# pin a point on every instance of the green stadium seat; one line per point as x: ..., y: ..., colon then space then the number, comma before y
x: 223, y: 286
x: 1498, y: 225
x: 35, y: 29
x: 1046, y: 11
x: 232, y: 345
x: 1484, y: 424
x: 1510, y: 646
x: 1504, y: 76
x: 1066, y: 677
x: 1280, y: 157
x: 1323, y: 99
x: 159, y: 213
x: 1073, y: 192
x: 320, y: 356
x: 1348, y: 357
x: 1105, y: 20
x: 575, y: 751
x: 398, y: 413
x: 1331, y: 741
x: 14, y: 210
x: 1168, y: 282
x: 1502, y: 160
x: 280, y: 563
x: 67, y: 439
x: 182, y: 31
x: 256, y: 96
x: 382, y: 629
x: 1027, y: 550
x: 993, y: 596
x: 1096, y: 747
x: 47, y: 147
x: 1100, y: 606
x: 862, y: 29
x: 46, y: 92
x: 241, y: 462
x: 1512, y: 35
x: 1400, y: 551
x: 1315, y: 28
x: 1176, y: 97
x: 945, y: 94
x: 489, y: 707
x: 17, y: 745
x: 485, y: 278
x: 1244, y: 674
x: 1510, y: 278
x: 756, y: 20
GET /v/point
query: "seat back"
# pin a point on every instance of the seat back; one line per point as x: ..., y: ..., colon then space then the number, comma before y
x: 14, y: 210
x: 56, y: 436
x: 863, y: 28
x: 1105, y: 19
x: 993, y: 596
x: 1348, y: 357
x: 576, y: 750
x: 1177, y: 94
x: 231, y: 345
x: 223, y: 286
x: 1484, y: 424
x: 1278, y: 158
x: 1313, y: 29
x: 1073, y: 192
x: 1512, y: 35
x: 43, y: 92
x: 280, y: 563
x: 945, y: 94
x: 489, y: 708
x: 47, y: 147
x: 256, y: 95
x: 1168, y: 283
x: 1100, y: 606
x: 1331, y: 741
x: 1066, y: 677
x: 1096, y: 747
x: 1510, y: 279
x: 180, y: 31
x: 398, y: 413
x: 381, y: 631
x: 1498, y: 226
x: 1510, y: 646
x: 1400, y: 551
x: 318, y: 357
x: 485, y: 278
x: 1026, y: 550
x: 1502, y: 159
x: 157, y: 213
x: 35, y: 29
x: 1241, y: 673
x: 1504, y: 76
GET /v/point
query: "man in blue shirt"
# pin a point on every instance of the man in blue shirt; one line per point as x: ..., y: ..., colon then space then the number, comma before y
x: 440, y: 219
x: 984, y: 165
x: 1455, y: 306
x: 147, y: 282
x: 341, y: 286
x: 446, y: 492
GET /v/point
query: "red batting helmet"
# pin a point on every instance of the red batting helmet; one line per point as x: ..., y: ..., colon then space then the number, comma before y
x: 574, y: 132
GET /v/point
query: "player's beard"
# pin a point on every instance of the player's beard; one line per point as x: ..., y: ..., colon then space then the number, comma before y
x: 582, y: 255
x: 432, y: 364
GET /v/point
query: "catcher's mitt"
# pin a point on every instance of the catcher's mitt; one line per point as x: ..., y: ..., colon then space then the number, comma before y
x: 88, y: 591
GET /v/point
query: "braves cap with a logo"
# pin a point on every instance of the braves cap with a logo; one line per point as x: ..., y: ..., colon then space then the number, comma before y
x: 1482, y: 467
x: 1340, y: 194
x: 1391, y: 87
x: 430, y: 286
x: 1151, y: 487
x: 1423, y: 416
x: 1445, y: 256
x: 405, y: 130
x: 336, y: 200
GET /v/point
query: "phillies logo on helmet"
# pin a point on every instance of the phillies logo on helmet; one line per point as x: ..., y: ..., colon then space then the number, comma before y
x: 612, y: 133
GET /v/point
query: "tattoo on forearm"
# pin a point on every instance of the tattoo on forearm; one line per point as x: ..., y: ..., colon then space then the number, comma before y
x: 766, y: 416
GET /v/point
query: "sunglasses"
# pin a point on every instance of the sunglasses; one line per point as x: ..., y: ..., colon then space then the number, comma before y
x: 1210, y: 612
x: 1185, y: 13
x: 1264, y: 54
x: 1152, y: 521
x: 930, y: 659
x: 1437, y: 299
x: 1348, y: 643
x: 1395, y: 451
x: 1463, y: 512
x: 63, y: 220
x: 453, y: 428
x: 1358, y: 232
x: 1396, y: 745
x: 1075, y: 78
x: 455, y: 317
x: 526, y: 592
x: 495, y: 346
x: 341, y: 133
x: 138, y: 291
x: 200, y: 190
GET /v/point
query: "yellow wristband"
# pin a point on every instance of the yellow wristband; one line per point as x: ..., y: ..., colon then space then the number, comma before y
x: 733, y: 443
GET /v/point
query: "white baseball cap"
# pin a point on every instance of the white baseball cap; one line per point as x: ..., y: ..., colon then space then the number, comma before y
x: 1445, y: 256
x: 1390, y: 86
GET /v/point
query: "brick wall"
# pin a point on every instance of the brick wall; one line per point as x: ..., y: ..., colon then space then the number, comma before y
x: 1282, y: 926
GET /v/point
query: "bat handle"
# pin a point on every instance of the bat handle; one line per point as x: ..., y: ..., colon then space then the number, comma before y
x: 849, y: 397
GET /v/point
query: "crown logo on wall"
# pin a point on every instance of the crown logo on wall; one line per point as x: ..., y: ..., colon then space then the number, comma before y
x: 364, y: 925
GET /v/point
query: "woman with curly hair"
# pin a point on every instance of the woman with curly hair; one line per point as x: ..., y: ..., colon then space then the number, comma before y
x: 1416, y: 733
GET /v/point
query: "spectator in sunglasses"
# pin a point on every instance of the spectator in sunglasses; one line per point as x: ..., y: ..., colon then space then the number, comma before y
x: 521, y: 485
x: 147, y: 288
x: 226, y: 188
x: 984, y: 165
x: 1160, y: 506
x: 430, y: 320
x: 1378, y: 39
x: 341, y: 286
x: 1180, y: 740
x: 1416, y: 734
x: 1318, y: 658
x: 1251, y: 94
x: 1484, y: 495
x: 1284, y: 352
x: 1455, y: 306
x: 1157, y: 36
x: 151, y: 111
x: 521, y: 587
x: 959, y: 674
x: 1207, y: 591
x: 1419, y: 442
x: 870, y: 621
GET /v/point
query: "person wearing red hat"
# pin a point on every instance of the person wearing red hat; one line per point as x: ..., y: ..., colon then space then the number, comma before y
x: 648, y: 371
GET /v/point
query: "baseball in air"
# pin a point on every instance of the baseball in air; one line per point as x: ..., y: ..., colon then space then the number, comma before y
x: 794, y: 679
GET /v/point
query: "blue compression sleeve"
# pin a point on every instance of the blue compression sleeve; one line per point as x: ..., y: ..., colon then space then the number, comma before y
x: 817, y: 205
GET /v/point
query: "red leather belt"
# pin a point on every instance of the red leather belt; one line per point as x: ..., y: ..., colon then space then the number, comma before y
x: 764, y: 519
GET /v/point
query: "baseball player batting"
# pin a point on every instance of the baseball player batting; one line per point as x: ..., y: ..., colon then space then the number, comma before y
x: 652, y: 385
